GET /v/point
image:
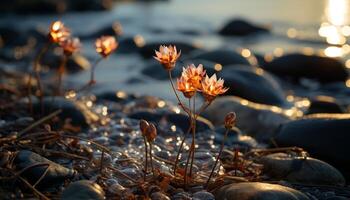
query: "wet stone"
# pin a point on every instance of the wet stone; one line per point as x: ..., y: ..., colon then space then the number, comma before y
x: 253, y: 84
x: 55, y: 176
x: 296, y: 66
x: 234, y: 139
x: 179, y: 120
x: 256, y: 190
x: 221, y: 56
x: 324, y: 104
x: 203, y: 195
x: 159, y: 196
x: 241, y: 27
x: 256, y: 120
x: 281, y: 166
x: 325, y: 136
x: 69, y: 110
x: 83, y: 190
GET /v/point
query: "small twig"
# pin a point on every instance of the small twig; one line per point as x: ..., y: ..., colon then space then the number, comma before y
x: 40, y: 121
x: 123, y: 174
x: 37, y: 192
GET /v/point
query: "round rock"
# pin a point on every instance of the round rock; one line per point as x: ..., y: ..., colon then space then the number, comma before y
x: 323, y: 69
x: 258, y: 191
x: 83, y: 190
x: 325, y: 136
x: 281, y: 166
x: 240, y: 27
x: 253, y: 84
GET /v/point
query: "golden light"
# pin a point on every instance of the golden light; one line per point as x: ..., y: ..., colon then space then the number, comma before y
x: 218, y: 67
x: 139, y: 41
x: 347, y: 83
x: 347, y: 63
x: 246, y: 53
x: 292, y: 33
x: 335, y: 28
x: 333, y: 51
x: 278, y: 52
x: 308, y: 51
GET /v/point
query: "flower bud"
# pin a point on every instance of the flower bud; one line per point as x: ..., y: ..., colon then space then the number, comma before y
x: 230, y: 120
x: 151, y: 132
x: 143, y: 126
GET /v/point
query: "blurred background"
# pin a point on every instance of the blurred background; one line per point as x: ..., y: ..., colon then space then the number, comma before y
x: 266, y: 29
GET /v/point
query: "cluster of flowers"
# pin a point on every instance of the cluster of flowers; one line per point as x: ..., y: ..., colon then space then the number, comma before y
x: 193, y: 79
x: 61, y: 35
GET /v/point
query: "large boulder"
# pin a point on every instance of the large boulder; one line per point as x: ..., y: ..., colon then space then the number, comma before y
x: 296, y: 66
x: 324, y: 136
x: 253, y: 84
x: 240, y: 27
x: 258, y: 191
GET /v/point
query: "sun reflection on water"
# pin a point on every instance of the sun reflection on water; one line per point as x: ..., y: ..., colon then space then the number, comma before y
x: 335, y: 27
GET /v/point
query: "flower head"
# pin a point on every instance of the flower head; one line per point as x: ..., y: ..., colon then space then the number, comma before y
x: 105, y: 45
x: 143, y: 126
x: 185, y: 86
x: 58, y: 32
x: 212, y: 87
x: 194, y: 75
x: 167, y: 56
x: 70, y: 45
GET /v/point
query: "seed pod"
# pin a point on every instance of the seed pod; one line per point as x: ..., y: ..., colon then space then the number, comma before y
x: 151, y: 132
x: 143, y: 126
x: 230, y: 120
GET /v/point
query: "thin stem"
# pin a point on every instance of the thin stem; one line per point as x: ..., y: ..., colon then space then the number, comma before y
x: 150, y: 155
x: 146, y: 154
x: 189, y: 153
x: 37, y: 74
x: 193, y: 134
x: 92, y: 75
x: 60, y: 72
x: 177, y: 96
x: 101, y: 161
x: 181, y: 146
x: 217, y: 158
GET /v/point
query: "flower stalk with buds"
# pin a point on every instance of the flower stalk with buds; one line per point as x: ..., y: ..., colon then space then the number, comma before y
x: 193, y: 80
x: 57, y: 33
x: 69, y: 46
x: 230, y: 121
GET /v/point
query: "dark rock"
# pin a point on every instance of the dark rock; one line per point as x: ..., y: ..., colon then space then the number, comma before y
x: 234, y: 139
x: 223, y: 57
x: 253, y: 84
x: 52, y: 6
x: 203, y: 195
x: 323, y: 69
x: 180, y: 120
x: 55, y: 176
x: 324, y: 104
x: 111, y: 29
x: 257, y: 120
x: 69, y: 110
x: 325, y: 136
x: 258, y: 191
x: 147, y: 51
x: 280, y: 166
x: 240, y: 27
x: 159, y: 196
x: 83, y: 190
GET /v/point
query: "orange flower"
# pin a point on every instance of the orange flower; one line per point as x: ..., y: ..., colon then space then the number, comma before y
x: 58, y: 32
x: 211, y: 87
x: 167, y: 56
x: 186, y: 87
x: 70, y: 45
x: 194, y: 75
x: 105, y: 45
